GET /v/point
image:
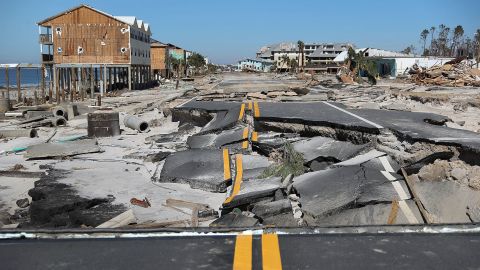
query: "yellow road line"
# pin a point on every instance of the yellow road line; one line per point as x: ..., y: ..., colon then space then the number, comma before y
x: 226, y: 165
x: 271, y: 252
x: 242, y: 112
x: 242, y: 259
x: 245, y: 138
x: 254, y: 136
x: 250, y: 105
x: 256, y: 109
x: 238, y: 178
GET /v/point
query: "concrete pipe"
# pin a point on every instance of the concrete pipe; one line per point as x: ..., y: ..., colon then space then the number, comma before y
x: 60, y: 111
x: 134, y: 122
x: 58, y: 121
x: 14, y: 133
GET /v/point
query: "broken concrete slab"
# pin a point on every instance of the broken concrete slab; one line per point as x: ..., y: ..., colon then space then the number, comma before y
x: 446, y: 201
x: 73, y: 148
x: 374, y: 214
x: 200, y: 168
x: 234, y: 220
x: 323, y: 147
x: 332, y: 190
x: 357, y: 160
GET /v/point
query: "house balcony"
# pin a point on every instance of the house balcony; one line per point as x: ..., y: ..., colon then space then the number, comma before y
x: 45, y: 39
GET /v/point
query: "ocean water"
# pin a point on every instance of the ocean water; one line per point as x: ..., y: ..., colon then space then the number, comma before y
x: 28, y: 77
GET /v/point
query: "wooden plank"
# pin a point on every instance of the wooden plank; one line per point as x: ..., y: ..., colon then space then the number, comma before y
x: 411, y: 186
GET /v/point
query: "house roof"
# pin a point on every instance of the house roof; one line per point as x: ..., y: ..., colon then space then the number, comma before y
x: 131, y: 20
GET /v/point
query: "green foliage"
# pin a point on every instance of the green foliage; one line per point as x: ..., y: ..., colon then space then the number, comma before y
x: 196, y: 60
x: 292, y: 163
x: 358, y: 62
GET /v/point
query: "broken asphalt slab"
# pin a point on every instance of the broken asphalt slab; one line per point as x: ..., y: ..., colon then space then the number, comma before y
x: 330, y: 191
x: 216, y: 141
x: 414, y: 126
x: 253, y: 191
x: 200, y: 168
x: 227, y: 114
x: 50, y: 150
x: 324, y: 147
x: 56, y: 204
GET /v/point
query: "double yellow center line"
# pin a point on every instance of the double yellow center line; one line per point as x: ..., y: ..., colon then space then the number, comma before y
x: 238, y: 178
x: 271, y: 258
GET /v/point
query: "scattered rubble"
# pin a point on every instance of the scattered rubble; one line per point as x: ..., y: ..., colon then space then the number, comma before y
x: 453, y: 73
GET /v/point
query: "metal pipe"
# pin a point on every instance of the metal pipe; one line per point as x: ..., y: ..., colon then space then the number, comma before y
x: 134, y: 122
x: 14, y: 133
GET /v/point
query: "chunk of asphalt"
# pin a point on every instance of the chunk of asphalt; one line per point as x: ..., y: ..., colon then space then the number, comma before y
x: 234, y: 220
x: 216, y: 141
x: 374, y: 214
x: 361, y: 158
x: 252, y: 191
x: 332, y: 190
x: 253, y: 166
x: 414, y: 168
x: 284, y: 220
x: 50, y: 150
x: 200, y: 168
x: 270, y: 141
x: 226, y: 114
x: 316, y: 147
x: 268, y: 209
x: 446, y: 201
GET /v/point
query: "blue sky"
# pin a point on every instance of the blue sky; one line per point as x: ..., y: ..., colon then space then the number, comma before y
x: 226, y: 30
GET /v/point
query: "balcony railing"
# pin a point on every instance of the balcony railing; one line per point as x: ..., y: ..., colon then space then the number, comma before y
x: 45, y: 39
x: 47, y: 58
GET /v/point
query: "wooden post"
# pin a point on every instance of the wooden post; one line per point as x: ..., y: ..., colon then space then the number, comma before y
x: 19, y: 89
x: 35, y: 95
x: 92, y: 80
x: 42, y: 71
x: 7, y: 80
x: 104, y: 80
x: 129, y: 79
x: 50, y: 86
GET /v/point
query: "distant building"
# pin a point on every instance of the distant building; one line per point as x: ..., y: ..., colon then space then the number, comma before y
x: 161, y: 55
x: 393, y: 64
x: 317, y: 57
x: 114, y: 50
x: 260, y: 65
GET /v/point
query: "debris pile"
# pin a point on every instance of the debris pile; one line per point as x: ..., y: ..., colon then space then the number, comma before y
x: 453, y: 73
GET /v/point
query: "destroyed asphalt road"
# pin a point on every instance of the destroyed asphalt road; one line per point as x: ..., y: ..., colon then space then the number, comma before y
x: 256, y: 162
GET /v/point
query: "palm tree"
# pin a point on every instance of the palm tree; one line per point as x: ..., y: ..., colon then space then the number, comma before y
x: 284, y: 60
x: 457, y: 36
x: 424, y: 36
x: 301, y: 48
x: 432, y: 31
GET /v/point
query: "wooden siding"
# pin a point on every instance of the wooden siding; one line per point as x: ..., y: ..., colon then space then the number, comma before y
x: 99, y: 35
x: 158, y: 56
